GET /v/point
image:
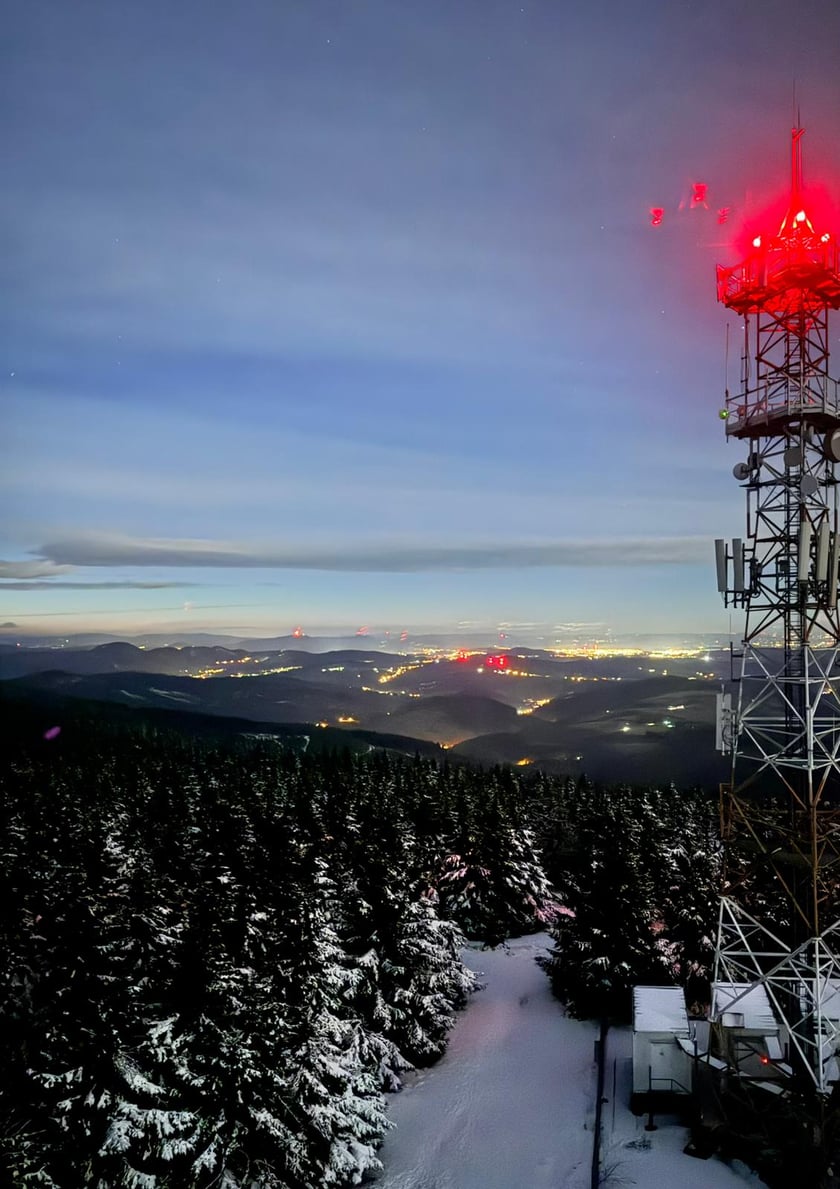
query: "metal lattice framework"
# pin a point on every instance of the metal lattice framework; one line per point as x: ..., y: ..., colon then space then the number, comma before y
x: 782, y: 806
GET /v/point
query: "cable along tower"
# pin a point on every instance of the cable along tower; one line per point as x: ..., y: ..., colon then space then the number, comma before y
x: 781, y: 810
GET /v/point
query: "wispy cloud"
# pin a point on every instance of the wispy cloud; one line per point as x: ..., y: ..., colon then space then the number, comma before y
x: 41, y: 568
x: 60, y: 584
x: 93, y: 550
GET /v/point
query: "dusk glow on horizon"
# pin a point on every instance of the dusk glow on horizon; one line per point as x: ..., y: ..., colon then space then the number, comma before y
x: 340, y: 315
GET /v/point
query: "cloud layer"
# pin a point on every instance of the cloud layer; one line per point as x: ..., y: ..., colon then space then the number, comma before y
x: 98, y: 550
x: 60, y: 584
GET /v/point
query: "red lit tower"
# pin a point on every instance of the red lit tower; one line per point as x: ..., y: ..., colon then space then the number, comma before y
x: 781, y: 808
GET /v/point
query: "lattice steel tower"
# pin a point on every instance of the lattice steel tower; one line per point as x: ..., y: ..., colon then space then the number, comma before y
x: 782, y: 806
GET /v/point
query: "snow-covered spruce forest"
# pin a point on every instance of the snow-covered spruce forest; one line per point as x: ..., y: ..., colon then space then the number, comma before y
x: 220, y: 957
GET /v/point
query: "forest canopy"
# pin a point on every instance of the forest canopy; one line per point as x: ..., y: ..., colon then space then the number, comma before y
x: 221, y: 954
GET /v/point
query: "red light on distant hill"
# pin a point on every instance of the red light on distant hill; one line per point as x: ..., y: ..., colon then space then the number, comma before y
x: 462, y: 656
x: 297, y: 633
x: 497, y: 662
x: 363, y: 631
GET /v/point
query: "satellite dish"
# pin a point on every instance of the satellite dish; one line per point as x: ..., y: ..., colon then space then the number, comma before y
x: 741, y: 471
x: 831, y: 445
x: 793, y: 456
x: 808, y: 485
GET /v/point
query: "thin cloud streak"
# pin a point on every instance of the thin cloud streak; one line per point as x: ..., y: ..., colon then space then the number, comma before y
x: 114, y: 550
x: 32, y: 569
x: 46, y: 584
x: 190, y: 611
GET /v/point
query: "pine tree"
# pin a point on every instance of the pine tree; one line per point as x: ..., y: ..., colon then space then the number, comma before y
x: 605, y: 940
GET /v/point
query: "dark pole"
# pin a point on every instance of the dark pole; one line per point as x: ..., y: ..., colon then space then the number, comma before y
x: 599, y: 1102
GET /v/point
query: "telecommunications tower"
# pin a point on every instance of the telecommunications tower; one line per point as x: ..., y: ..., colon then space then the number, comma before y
x: 781, y: 807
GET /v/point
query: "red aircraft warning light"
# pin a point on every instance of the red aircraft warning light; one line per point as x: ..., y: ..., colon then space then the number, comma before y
x: 497, y: 662
x: 795, y: 270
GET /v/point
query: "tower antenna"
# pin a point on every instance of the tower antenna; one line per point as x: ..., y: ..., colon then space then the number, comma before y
x: 796, y: 162
x: 726, y: 361
x: 780, y: 808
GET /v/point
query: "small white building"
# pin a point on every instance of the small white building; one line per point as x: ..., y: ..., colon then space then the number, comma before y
x: 661, y: 1065
x: 745, y: 1016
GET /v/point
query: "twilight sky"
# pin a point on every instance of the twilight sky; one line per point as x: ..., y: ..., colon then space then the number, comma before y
x: 351, y: 312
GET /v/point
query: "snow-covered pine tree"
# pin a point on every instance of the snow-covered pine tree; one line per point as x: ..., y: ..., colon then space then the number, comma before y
x: 332, y: 1101
x: 424, y: 979
x: 493, y: 883
x: 605, y: 941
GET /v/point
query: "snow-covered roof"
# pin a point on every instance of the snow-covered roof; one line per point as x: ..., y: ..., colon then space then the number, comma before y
x: 831, y: 998
x: 659, y: 1009
x: 754, y: 1006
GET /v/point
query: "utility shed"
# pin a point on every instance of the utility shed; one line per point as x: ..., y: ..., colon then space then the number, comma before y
x: 749, y: 1029
x: 660, y: 1065
x: 745, y: 1008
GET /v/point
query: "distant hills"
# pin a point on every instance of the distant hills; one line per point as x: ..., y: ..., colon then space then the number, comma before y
x: 617, y: 718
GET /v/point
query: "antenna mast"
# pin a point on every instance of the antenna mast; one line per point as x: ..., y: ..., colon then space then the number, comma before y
x: 781, y: 807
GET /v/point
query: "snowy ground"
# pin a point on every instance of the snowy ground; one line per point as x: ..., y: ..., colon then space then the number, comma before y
x: 512, y: 1103
x: 651, y: 1159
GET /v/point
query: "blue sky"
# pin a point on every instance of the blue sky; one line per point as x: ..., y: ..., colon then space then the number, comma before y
x: 350, y: 312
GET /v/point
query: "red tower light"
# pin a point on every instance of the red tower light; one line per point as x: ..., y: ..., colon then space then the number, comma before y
x: 798, y: 265
x: 656, y: 215
x: 698, y: 195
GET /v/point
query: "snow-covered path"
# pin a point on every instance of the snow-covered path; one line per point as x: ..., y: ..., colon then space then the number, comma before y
x: 512, y: 1103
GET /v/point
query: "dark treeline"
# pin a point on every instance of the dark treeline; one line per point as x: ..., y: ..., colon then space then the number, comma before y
x: 639, y: 875
x: 219, y: 956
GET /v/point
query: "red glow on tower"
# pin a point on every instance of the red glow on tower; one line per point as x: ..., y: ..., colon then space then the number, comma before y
x: 795, y: 268
x: 462, y: 656
x: 698, y: 195
x: 497, y: 662
x: 657, y: 213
